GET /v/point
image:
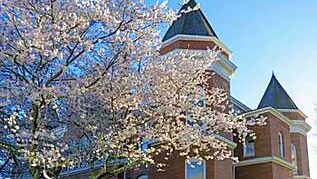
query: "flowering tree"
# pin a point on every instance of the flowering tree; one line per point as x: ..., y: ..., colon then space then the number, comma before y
x: 94, y: 67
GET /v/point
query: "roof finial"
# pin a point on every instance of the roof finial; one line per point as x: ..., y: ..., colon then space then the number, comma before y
x: 190, y: 4
x: 273, y: 74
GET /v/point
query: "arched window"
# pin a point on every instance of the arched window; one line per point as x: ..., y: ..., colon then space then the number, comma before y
x: 84, y: 143
x: 142, y: 177
x: 249, y: 148
x: 281, y: 151
x: 195, y: 169
x: 83, y: 148
x: 199, y: 101
x: 294, y: 157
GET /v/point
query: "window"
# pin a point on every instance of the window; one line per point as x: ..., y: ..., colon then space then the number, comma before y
x: 198, y: 101
x: 193, y: 121
x: 72, y: 146
x: 195, y: 169
x: 200, y: 97
x: 84, y: 143
x: 281, y: 151
x: 249, y: 148
x: 142, y: 177
x: 294, y: 157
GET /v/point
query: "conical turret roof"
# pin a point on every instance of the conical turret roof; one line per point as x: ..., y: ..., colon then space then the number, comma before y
x: 190, y: 23
x: 275, y: 96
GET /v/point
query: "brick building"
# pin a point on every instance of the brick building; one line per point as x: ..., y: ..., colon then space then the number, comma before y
x: 280, y: 150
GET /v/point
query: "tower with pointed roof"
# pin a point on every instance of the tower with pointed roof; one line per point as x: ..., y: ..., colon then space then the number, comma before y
x: 192, y: 32
x: 280, y: 150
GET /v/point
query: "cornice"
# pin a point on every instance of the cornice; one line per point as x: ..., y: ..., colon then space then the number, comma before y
x: 294, y: 111
x: 301, y: 177
x: 300, y: 126
x: 261, y: 160
x: 230, y: 143
x: 222, y: 66
x: 271, y: 110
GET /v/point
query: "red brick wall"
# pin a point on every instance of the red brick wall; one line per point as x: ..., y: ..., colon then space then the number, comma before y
x: 277, y: 126
x: 175, y: 168
x: 262, y: 143
x: 266, y: 143
x: 300, y: 142
x: 294, y: 116
x: 223, y: 169
x: 259, y: 171
x: 190, y: 44
x: 267, y: 170
x: 280, y: 172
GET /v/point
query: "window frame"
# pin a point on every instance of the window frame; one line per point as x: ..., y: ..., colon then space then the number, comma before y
x: 82, y: 145
x: 245, y: 154
x: 295, y: 161
x: 203, y: 162
x: 142, y: 175
x: 281, y: 144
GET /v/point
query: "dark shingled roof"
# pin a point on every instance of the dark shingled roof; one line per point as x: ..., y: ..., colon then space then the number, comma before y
x: 191, y: 23
x: 275, y: 96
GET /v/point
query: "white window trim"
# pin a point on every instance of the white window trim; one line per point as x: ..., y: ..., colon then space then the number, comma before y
x: 204, y: 167
x: 142, y: 175
x: 281, y: 147
x: 294, y: 149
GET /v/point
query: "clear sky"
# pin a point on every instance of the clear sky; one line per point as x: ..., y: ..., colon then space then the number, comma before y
x: 266, y: 36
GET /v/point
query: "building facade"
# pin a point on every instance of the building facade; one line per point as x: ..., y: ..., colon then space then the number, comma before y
x: 280, y: 149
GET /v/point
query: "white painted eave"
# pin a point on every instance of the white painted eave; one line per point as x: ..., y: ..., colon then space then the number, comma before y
x: 294, y: 111
x: 222, y: 66
x: 261, y: 160
x: 271, y: 110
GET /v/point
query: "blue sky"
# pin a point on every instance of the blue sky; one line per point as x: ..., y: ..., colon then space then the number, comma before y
x: 266, y: 36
